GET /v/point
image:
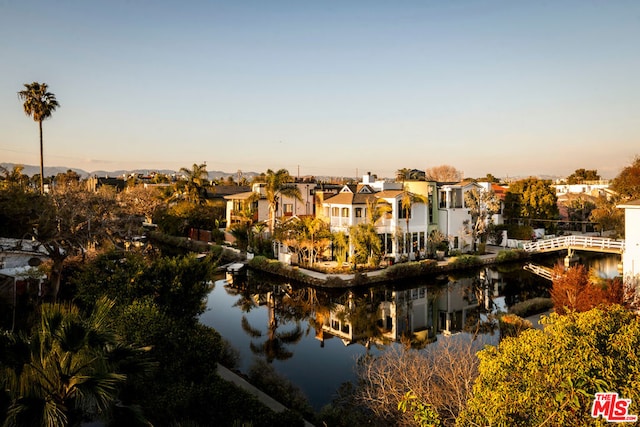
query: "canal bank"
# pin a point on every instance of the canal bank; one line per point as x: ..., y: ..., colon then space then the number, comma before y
x: 406, y: 270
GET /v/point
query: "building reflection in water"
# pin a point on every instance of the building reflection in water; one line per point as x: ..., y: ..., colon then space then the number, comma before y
x: 377, y: 316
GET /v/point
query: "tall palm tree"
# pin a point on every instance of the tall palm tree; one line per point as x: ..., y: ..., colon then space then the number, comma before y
x: 277, y: 184
x: 197, y: 178
x: 38, y: 104
x: 406, y: 202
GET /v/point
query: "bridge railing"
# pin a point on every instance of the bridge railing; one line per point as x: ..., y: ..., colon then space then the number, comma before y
x: 564, y: 242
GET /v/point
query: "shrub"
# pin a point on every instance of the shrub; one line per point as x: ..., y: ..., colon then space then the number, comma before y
x: 410, y: 269
x: 511, y: 325
x: 531, y: 306
x: 264, y: 376
x: 520, y: 232
x: 466, y: 261
x: 511, y: 255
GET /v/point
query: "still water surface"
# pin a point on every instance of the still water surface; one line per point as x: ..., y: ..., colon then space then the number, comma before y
x: 314, y: 336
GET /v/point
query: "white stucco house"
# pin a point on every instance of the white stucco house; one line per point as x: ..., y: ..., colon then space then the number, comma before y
x: 255, y: 202
x: 453, y: 213
x: 631, y: 255
x: 399, y: 235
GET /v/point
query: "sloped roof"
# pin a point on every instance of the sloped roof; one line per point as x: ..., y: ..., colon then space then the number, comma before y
x: 346, y: 198
x: 389, y: 194
x: 634, y: 204
x: 241, y: 196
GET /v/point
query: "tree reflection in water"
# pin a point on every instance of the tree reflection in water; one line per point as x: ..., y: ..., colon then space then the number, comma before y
x: 302, y: 327
x: 411, y: 313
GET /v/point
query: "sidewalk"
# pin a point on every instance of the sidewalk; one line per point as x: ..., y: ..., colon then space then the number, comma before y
x: 264, y: 398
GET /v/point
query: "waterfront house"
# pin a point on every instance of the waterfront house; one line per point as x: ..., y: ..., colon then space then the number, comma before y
x: 631, y: 255
x: 454, y: 215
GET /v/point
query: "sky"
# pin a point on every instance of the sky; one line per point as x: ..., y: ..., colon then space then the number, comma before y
x: 326, y: 87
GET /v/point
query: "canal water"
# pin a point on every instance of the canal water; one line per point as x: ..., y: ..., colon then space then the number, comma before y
x: 313, y: 337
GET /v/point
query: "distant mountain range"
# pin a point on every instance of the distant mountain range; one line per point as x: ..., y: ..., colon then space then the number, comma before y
x: 31, y: 170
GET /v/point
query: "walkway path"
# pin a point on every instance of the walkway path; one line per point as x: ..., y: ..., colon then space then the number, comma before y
x: 264, y: 398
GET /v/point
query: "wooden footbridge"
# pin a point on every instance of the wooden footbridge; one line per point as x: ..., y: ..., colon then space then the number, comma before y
x: 570, y: 244
x: 546, y: 272
x: 576, y: 243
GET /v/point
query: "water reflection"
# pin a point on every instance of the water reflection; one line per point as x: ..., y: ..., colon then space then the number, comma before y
x: 313, y: 336
x: 408, y: 313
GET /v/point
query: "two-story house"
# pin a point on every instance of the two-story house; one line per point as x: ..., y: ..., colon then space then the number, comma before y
x: 253, y: 205
x: 402, y: 230
x: 454, y: 215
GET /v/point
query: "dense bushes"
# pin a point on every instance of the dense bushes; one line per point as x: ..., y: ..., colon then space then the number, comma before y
x: 511, y: 255
x: 158, y: 303
x: 276, y: 267
x: 465, y: 261
x: 410, y: 269
x: 531, y: 306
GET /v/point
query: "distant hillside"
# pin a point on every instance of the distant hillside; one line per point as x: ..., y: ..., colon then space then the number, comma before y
x: 31, y: 170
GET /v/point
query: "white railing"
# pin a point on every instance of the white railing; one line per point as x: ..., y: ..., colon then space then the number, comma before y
x: 587, y: 242
x: 541, y: 271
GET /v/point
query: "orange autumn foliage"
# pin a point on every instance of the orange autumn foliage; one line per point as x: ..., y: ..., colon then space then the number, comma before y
x: 574, y: 291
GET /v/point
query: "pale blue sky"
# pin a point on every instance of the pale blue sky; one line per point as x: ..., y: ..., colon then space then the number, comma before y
x: 330, y: 87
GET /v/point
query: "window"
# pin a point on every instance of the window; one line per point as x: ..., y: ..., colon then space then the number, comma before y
x: 345, y: 212
x: 358, y: 212
x: 288, y: 208
x: 335, y: 211
x: 403, y: 213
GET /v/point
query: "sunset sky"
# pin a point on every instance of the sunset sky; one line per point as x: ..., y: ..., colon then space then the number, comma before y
x: 511, y: 88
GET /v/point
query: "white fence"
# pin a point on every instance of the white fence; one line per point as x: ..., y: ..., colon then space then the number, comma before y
x: 587, y: 242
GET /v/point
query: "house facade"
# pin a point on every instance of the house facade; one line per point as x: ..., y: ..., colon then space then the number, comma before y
x: 631, y: 255
x: 253, y: 205
x: 402, y: 232
x: 454, y: 215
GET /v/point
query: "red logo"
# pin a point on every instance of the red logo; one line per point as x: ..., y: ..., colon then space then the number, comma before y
x: 612, y: 408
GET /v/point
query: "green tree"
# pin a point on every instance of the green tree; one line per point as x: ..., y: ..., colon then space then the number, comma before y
x: 70, y: 177
x: 582, y: 175
x: 403, y: 174
x: 194, y: 187
x: 579, y: 208
x: 40, y: 105
x: 13, y: 177
x: 278, y: 184
x: 550, y: 376
x: 482, y: 206
x: 532, y: 200
x: 366, y: 244
x: 407, y: 201
x: 18, y: 210
x: 607, y: 216
x: 340, y: 247
x: 627, y: 183
x: 307, y: 237
x: 69, y: 221
x: 70, y: 369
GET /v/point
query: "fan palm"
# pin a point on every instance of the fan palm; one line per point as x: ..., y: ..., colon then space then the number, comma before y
x: 66, y: 371
x: 277, y: 184
x: 197, y: 178
x: 39, y: 104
